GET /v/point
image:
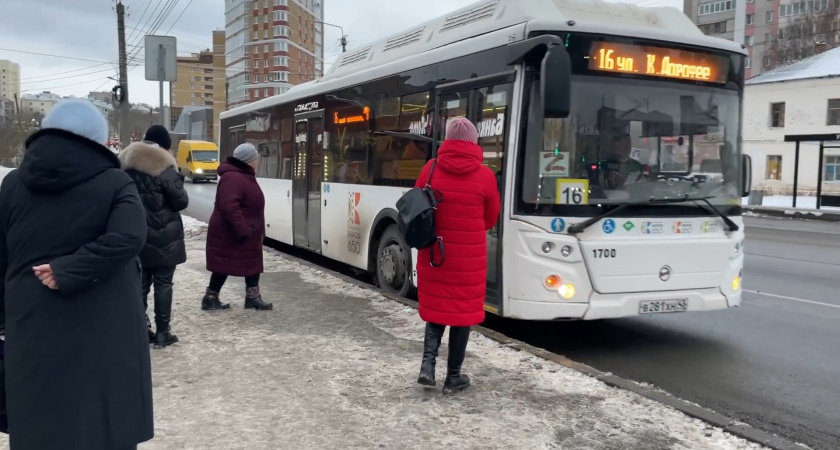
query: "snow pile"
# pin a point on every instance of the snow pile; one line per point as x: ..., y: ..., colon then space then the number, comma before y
x: 786, y: 201
x: 193, y: 227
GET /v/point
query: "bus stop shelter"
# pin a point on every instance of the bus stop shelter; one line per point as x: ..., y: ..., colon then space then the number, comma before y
x: 822, y: 200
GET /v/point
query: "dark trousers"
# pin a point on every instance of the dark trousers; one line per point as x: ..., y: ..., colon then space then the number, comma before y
x: 217, y: 280
x: 458, y: 339
x: 161, y: 278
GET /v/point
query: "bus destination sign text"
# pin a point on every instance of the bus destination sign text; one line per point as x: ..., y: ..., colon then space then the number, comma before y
x: 658, y: 62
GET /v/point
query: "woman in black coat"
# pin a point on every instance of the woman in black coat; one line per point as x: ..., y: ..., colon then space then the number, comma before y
x: 161, y: 189
x: 78, y: 372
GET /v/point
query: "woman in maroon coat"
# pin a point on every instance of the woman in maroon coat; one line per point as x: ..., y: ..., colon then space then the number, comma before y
x: 236, y: 230
x: 453, y: 293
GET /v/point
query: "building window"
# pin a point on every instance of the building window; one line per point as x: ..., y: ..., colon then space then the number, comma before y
x: 256, y: 64
x: 831, y: 170
x: 281, y: 31
x: 256, y: 35
x: 716, y: 7
x: 266, y: 63
x: 833, y: 111
x: 747, y: 62
x: 281, y: 46
x: 749, y: 41
x: 750, y: 19
x: 281, y: 61
x: 266, y: 48
x: 265, y: 92
x: 768, y: 38
x: 281, y: 2
x: 281, y: 16
x: 768, y: 17
x: 774, y: 167
x: 777, y: 115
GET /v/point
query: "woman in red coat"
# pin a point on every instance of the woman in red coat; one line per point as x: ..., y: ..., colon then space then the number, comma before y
x: 453, y: 293
x: 236, y: 230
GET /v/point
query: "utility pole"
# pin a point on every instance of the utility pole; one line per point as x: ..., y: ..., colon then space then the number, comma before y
x: 123, y: 104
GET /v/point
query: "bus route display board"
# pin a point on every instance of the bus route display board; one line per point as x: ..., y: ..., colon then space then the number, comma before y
x: 658, y: 62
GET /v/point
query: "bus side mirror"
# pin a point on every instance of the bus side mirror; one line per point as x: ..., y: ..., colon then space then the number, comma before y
x: 746, y: 175
x: 556, y: 82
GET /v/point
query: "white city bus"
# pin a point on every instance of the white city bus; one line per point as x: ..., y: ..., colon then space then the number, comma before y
x: 614, y: 132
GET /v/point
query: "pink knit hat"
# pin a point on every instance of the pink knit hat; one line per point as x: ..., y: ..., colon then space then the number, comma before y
x: 461, y: 129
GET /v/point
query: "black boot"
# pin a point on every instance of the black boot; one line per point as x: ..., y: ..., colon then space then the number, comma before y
x: 455, y: 380
x: 163, y: 309
x: 253, y: 300
x: 164, y: 337
x: 211, y: 301
x: 431, y: 344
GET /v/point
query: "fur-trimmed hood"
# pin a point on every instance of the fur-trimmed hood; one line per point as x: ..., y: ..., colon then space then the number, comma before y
x: 147, y: 158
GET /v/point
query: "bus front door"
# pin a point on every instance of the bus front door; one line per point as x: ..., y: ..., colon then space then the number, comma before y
x: 306, y: 180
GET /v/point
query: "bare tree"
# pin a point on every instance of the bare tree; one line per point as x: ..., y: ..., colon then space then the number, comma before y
x: 13, y: 134
x: 806, y: 36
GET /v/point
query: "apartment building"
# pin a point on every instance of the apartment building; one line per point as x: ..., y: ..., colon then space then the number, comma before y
x: 270, y: 46
x: 774, y: 32
x: 201, y: 82
x: 9, y: 80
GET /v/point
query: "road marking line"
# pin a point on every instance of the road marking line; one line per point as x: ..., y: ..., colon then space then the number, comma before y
x: 784, y: 297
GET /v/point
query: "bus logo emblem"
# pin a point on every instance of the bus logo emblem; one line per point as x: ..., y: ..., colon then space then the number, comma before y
x: 665, y: 273
x: 608, y: 226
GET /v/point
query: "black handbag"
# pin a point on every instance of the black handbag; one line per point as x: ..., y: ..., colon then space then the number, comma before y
x: 416, y: 212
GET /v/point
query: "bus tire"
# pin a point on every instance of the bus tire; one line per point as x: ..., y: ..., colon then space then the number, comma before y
x: 393, y: 263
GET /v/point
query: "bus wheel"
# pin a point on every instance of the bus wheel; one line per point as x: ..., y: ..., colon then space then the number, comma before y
x: 393, y: 263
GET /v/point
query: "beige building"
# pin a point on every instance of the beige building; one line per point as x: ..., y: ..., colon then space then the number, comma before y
x: 271, y: 45
x: 201, y: 82
x: 9, y: 80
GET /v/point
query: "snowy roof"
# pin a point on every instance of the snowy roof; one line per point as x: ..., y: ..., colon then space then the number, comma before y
x: 824, y: 65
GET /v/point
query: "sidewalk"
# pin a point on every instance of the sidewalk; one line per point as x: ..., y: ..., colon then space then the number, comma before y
x: 334, y: 366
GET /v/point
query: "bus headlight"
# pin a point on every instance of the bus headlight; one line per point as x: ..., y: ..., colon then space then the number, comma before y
x: 199, y: 171
x: 567, y: 291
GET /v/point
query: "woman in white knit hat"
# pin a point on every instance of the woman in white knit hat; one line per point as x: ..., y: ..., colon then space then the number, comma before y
x: 78, y: 372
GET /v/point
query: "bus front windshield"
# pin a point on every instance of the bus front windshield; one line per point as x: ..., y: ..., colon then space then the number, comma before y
x: 629, y: 140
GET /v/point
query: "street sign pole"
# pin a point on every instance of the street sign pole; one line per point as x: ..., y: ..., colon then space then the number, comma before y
x: 161, y: 64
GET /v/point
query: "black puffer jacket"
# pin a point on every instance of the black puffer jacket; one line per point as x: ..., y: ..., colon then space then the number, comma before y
x: 162, y: 190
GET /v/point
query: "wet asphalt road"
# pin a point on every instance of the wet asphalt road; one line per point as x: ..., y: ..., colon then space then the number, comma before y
x: 774, y: 363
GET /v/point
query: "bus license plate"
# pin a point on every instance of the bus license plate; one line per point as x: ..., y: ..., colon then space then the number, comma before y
x: 663, y: 306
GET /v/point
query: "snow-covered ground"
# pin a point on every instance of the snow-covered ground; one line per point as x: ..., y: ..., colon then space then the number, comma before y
x: 786, y: 201
x: 335, y: 365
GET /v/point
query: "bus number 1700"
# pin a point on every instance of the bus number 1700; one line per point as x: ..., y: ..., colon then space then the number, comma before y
x: 603, y: 252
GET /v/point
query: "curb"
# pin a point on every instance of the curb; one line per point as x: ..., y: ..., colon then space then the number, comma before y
x: 790, y: 213
x: 728, y: 425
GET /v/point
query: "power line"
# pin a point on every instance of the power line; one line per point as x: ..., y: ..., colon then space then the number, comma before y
x: 53, y: 56
x: 63, y: 86
x: 69, y: 71
x: 179, y: 16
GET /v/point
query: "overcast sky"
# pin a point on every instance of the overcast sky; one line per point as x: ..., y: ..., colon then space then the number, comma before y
x: 86, y: 30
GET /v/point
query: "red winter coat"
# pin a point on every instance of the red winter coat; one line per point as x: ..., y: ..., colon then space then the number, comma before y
x: 453, y: 294
x: 237, y: 225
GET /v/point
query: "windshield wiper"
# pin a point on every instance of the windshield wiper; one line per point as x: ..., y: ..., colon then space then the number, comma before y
x: 580, y: 227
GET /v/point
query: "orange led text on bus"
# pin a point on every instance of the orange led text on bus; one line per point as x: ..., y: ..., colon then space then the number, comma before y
x: 352, y: 119
x: 610, y: 61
